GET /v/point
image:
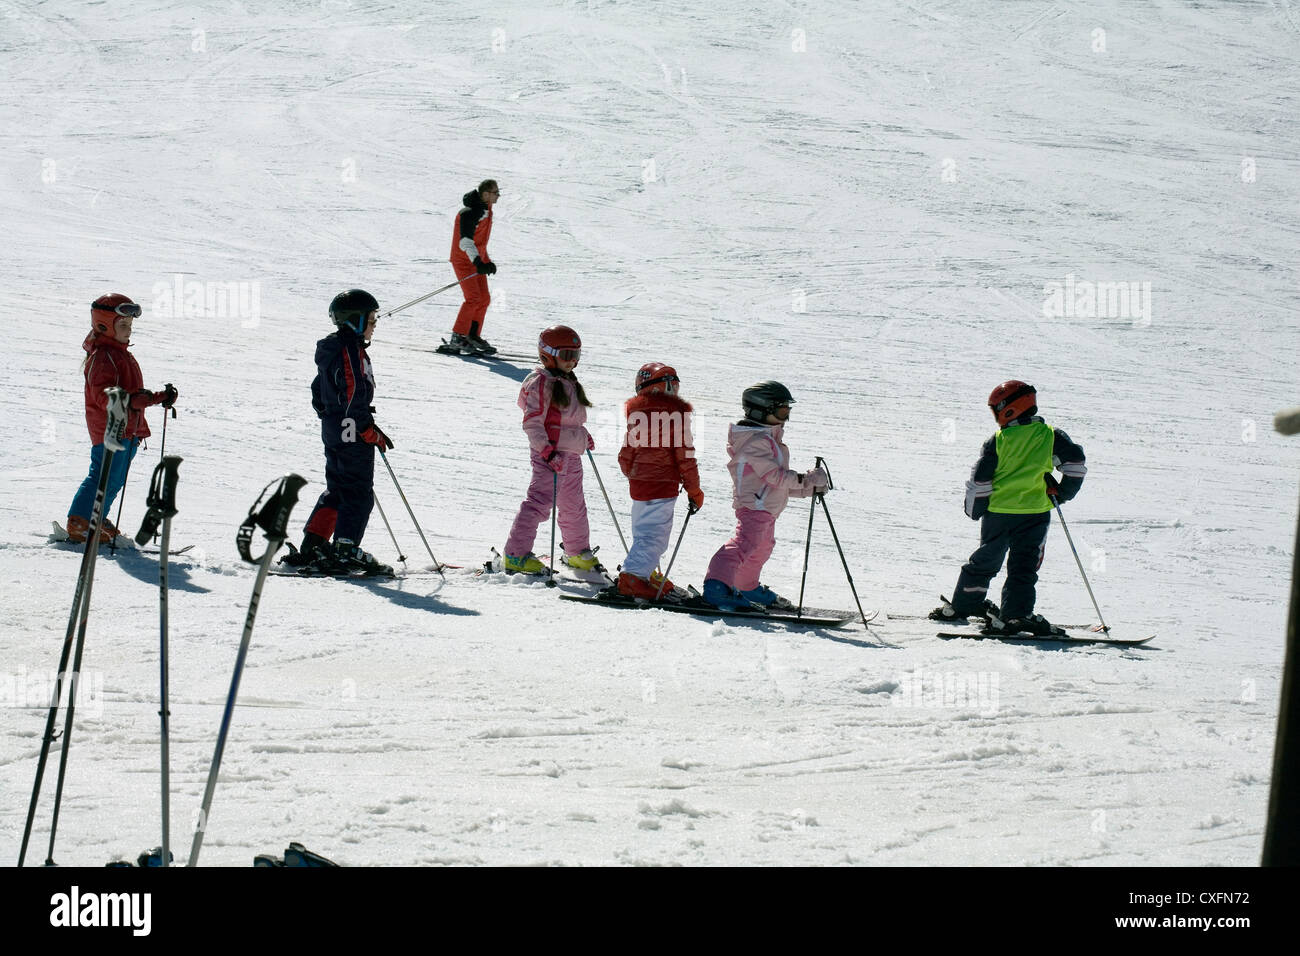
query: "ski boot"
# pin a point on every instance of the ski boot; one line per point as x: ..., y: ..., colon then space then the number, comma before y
x: 584, y: 560
x: 78, y: 530
x: 724, y: 597
x: 350, y: 558
x: 309, y: 554
x: 459, y: 343
x: 764, y: 596
x: 1035, y: 624
x: 654, y: 588
x: 480, y: 346
x: 522, y: 564
x: 948, y: 614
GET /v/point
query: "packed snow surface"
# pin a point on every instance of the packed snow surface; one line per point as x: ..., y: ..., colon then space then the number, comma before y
x: 890, y: 207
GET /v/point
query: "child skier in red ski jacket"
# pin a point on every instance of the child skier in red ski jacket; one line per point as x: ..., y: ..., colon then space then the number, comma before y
x: 763, y: 484
x: 658, y: 458
x: 555, y: 414
x: 108, y: 364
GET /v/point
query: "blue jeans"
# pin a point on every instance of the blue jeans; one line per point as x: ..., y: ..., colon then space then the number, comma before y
x: 84, y: 501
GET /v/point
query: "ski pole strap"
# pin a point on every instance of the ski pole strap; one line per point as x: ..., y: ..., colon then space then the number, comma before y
x: 272, y: 517
x: 115, y: 424
x: 821, y: 463
x: 162, y: 497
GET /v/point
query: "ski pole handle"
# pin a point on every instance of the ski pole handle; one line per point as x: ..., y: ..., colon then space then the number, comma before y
x: 830, y: 482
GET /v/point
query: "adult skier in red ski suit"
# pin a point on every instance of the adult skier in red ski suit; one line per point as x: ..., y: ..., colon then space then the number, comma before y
x: 472, y: 264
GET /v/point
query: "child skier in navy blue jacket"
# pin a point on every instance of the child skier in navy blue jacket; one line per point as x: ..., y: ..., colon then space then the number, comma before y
x: 1009, y: 492
x: 342, y: 393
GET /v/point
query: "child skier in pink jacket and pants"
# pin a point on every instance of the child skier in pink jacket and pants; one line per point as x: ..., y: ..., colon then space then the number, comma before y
x: 555, y: 413
x: 763, y: 484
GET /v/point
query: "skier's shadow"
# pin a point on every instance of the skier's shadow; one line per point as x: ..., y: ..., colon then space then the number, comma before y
x: 419, y: 602
x: 502, y: 367
x: 144, y: 568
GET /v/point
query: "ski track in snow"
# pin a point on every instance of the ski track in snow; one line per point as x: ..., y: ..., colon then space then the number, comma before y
x: 674, y: 179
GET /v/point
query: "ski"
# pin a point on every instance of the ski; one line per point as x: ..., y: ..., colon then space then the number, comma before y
x: 974, y: 621
x: 59, y: 535
x: 344, y: 575
x: 447, y: 349
x: 812, y: 617
x: 1026, y: 638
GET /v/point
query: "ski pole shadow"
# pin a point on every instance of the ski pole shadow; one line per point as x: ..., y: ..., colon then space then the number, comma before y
x: 144, y: 568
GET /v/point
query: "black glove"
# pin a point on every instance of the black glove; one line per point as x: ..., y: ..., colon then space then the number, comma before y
x: 167, y: 397
x: 484, y: 268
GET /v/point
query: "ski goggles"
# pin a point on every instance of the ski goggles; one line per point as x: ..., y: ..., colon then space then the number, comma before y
x: 563, y: 355
x: 129, y: 309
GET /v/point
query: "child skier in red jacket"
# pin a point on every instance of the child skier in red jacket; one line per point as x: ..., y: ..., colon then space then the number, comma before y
x: 109, y: 364
x: 658, y: 458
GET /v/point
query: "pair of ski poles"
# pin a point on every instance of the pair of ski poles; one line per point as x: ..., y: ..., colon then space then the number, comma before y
x: 115, y: 425
x: 819, y: 496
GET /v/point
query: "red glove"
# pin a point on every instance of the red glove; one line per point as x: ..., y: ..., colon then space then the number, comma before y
x: 373, y: 436
x: 1052, y: 486
x: 696, y: 498
x: 591, y: 442
x: 552, y: 458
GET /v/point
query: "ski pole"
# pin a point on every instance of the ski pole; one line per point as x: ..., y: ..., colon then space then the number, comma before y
x: 114, y: 426
x: 807, y: 546
x: 690, y: 510
x: 843, y: 560
x: 121, y: 499
x: 555, y: 494
x: 608, y: 504
x: 162, y: 506
x: 430, y: 295
x: 273, y: 518
x: 821, y: 496
x: 1064, y: 527
x: 436, y: 563
x: 163, y: 453
x: 400, y: 557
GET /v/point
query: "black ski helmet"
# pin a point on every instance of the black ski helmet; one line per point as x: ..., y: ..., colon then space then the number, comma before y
x: 763, y: 399
x: 349, y: 309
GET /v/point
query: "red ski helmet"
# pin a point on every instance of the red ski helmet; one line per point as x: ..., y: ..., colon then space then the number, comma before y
x: 105, y: 310
x: 1012, y: 400
x: 558, y: 343
x: 657, y: 377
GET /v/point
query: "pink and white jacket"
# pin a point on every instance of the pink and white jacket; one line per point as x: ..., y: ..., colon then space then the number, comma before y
x: 759, y: 469
x: 546, y: 423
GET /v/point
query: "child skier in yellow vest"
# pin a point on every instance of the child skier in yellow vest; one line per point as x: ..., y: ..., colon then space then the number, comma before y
x: 1008, y: 492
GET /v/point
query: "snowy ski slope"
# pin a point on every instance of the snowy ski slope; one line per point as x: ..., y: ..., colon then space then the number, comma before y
x: 871, y: 202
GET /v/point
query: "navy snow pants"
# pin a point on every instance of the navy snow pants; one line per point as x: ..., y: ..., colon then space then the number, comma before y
x: 1019, y: 539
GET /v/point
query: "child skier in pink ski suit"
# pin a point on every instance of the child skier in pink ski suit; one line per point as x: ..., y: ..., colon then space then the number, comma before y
x: 555, y: 411
x: 763, y: 483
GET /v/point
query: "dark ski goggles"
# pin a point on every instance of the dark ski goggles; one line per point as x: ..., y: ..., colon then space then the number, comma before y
x: 563, y: 355
x: 128, y: 309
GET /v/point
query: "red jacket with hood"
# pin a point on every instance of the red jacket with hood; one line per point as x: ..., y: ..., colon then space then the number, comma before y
x: 108, y: 363
x: 658, y: 454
